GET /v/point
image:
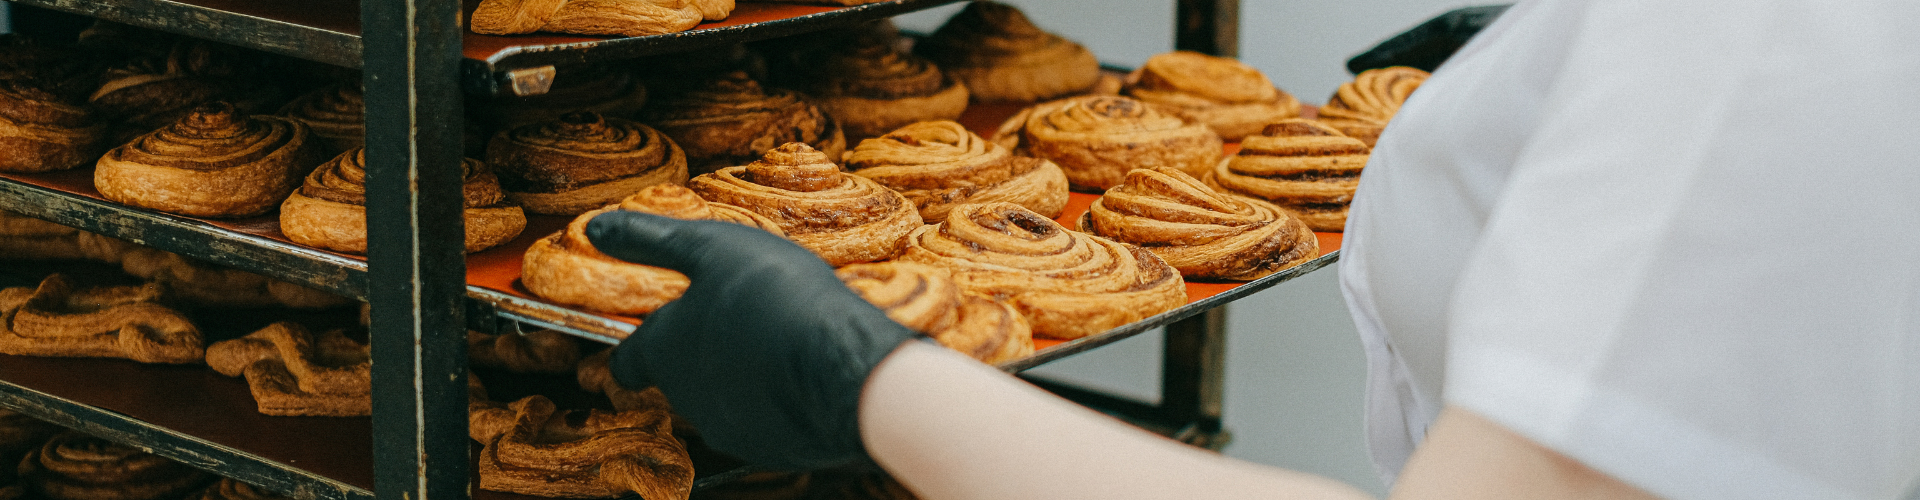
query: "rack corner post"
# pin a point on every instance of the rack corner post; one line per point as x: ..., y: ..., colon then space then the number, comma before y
x: 1207, y: 26
x: 1193, y: 375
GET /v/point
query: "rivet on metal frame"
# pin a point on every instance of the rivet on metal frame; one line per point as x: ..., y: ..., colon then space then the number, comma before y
x: 531, y: 81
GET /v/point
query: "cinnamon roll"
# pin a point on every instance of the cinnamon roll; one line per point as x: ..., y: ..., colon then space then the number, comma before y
x: 57, y: 319
x: 233, y: 489
x: 925, y: 299
x: 582, y: 161
x: 596, y: 17
x: 147, y: 93
x: 843, y: 217
x: 532, y: 448
x: 1097, y: 139
x: 541, y: 351
x: 293, y: 372
x: 214, y: 162
x: 732, y: 120
x: 336, y: 115
x: 76, y: 466
x: 42, y: 130
x: 329, y: 210
x: 1001, y: 56
x: 565, y: 267
x: 1231, y: 97
x: 1304, y: 166
x: 1361, y: 108
x: 871, y: 87
x: 1201, y: 232
x: 599, y: 89
x: 1068, y: 284
x: 938, y: 165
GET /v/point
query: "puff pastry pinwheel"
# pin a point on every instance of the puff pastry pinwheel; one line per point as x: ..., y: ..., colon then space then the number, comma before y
x: 1229, y: 96
x: 1098, y: 139
x: 565, y: 267
x: 76, y: 466
x: 233, y: 489
x: 1002, y: 57
x: 732, y: 120
x: 1306, y: 167
x: 1201, y: 232
x: 872, y: 87
x: 606, y: 90
x: 1361, y: 108
x: 532, y: 448
x: 540, y: 351
x: 925, y: 299
x: 1068, y: 284
x: 147, y: 93
x: 58, y: 319
x: 941, y: 164
x: 596, y: 17
x: 582, y: 161
x: 844, y: 218
x: 214, y: 162
x: 42, y: 131
x: 293, y: 372
x: 20, y: 434
x: 329, y: 210
x: 336, y: 115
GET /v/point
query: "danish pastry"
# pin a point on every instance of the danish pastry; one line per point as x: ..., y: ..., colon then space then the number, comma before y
x: 732, y: 120
x: 1098, y: 139
x: 599, y: 89
x: 532, y: 448
x: 1202, y: 233
x: 1306, y: 167
x: 57, y: 319
x: 541, y: 351
x: 147, y: 93
x: 336, y: 115
x: 293, y: 372
x: 925, y: 299
x: 215, y: 162
x: 844, y: 218
x: 75, y: 466
x: 233, y: 489
x: 596, y: 17
x: 20, y: 434
x: 872, y: 87
x: 1000, y: 56
x: 938, y: 165
x: 582, y: 161
x: 329, y: 210
x: 1231, y: 97
x: 41, y: 130
x: 1361, y: 108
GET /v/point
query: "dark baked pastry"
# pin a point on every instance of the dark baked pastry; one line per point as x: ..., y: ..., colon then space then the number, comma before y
x: 938, y: 165
x: 1306, y: 167
x: 58, y: 320
x: 1229, y: 96
x: 596, y: 17
x: 1098, y: 139
x: 45, y: 123
x: 871, y: 87
x: 1201, y: 232
x: 599, y: 89
x: 732, y: 120
x: 582, y: 161
x: 541, y: 351
x: 19, y: 435
x: 27, y: 238
x: 1001, y: 56
x: 329, y: 210
x: 215, y: 162
x: 293, y: 372
x: 844, y: 218
x: 147, y: 93
x: 926, y: 299
x: 532, y: 448
x: 336, y: 115
x: 1361, y: 108
x: 233, y: 489
x: 75, y: 466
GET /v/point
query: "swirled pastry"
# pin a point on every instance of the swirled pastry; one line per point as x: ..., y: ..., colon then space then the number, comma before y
x: 599, y: 89
x: 20, y: 434
x: 1098, y: 139
x: 596, y: 17
x: 1201, y: 232
x: 925, y: 299
x: 1001, y: 56
x: 938, y: 165
x: 871, y: 87
x: 595, y: 376
x: 1068, y: 284
x: 541, y: 351
x: 1306, y: 167
x: 732, y: 120
x: 532, y: 448
x: 147, y: 93
x: 76, y: 466
x: 336, y: 115
x: 41, y: 130
x: 1361, y: 108
x: 565, y: 267
x: 214, y: 162
x: 843, y: 217
x: 233, y: 489
x: 582, y: 161
x: 293, y: 372
x: 329, y: 210
x: 1231, y: 97
x: 57, y: 319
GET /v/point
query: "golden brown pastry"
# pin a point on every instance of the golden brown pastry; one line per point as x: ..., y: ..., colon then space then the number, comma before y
x: 57, y: 319
x: 1068, y: 284
x: 566, y: 269
x: 541, y: 351
x: 214, y: 162
x: 233, y: 489
x: 595, y: 376
x: 1361, y: 108
x: 41, y: 130
x: 1231, y: 97
x: 531, y: 448
x: 582, y: 161
x: 75, y: 466
x: 872, y: 87
x: 938, y: 165
x: 293, y: 372
x: 925, y: 299
x: 1098, y: 139
x: 336, y: 115
x: 1001, y: 56
x: 844, y: 218
x: 147, y: 93
x: 1201, y: 232
x: 600, y: 89
x: 732, y: 120
x: 596, y: 17
x: 329, y: 210
x: 1306, y: 167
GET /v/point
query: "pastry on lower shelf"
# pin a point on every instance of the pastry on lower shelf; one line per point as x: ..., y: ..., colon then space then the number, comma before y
x: 540, y: 351
x: 1068, y: 284
x: 1229, y: 96
x: 732, y: 120
x: 1001, y: 56
x: 871, y: 87
x: 41, y: 130
x: 294, y: 372
x: 28, y: 238
x: 926, y: 299
x: 1304, y: 166
x: 329, y: 210
x: 1201, y: 232
x: 335, y: 114
x: 57, y: 319
x: 19, y: 435
x: 147, y: 93
x: 596, y: 17
x: 610, y: 91
x: 565, y: 267
x: 214, y: 162
x: 233, y: 489
x: 595, y: 376
x: 189, y: 281
x: 939, y: 165
x: 532, y: 448
x: 844, y: 218
x: 1361, y: 108
x: 582, y: 161
x: 75, y: 466
x: 1098, y: 139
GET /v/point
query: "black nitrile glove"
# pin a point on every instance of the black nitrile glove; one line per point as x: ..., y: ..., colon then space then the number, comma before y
x: 766, y: 353
x: 1429, y: 44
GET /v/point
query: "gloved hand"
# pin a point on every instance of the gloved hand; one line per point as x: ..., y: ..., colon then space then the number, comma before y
x: 767, y: 351
x: 1429, y: 44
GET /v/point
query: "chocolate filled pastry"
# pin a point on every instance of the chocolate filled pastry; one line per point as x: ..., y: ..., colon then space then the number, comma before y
x: 57, y: 319
x: 533, y: 448
x: 938, y: 165
x: 214, y: 162
x: 596, y: 17
x: 1001, y: 56
x: 925, y: 299
x: 147, y: 93
x: 599, y: 89
x: 1361, y: 108
x: 233, y: 489
x: 1304, y: 166
x: 1068, y: 284
x: 541, y: 351
x: 1098, y: 139
x: 75, y: 466
x: 872, y: 87
x: 732, y: 120
x: 335, y: 114
x: 329, y: 210
x: 293, y: 372
x: 844, y: 218
x: 565, y: 267
x: 582, y: 161
x: 1229, y: 96
x: 1199, y: 231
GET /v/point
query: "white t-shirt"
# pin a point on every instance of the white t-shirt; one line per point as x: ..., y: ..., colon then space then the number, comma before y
x: 1676, y: 240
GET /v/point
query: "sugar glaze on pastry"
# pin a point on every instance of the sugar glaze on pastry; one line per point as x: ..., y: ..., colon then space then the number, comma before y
x: 925, y: 299
x: 1201, y: 232
x: 1098, y: 139
x: 1229, y: 96
x: 1304, y: 166
x: 844, y: 218
x: 941, y: 164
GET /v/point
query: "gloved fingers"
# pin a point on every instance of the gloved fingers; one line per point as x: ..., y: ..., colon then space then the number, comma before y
x: 690, y: 247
